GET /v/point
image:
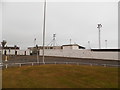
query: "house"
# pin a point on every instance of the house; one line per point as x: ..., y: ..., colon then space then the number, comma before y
x: 72, y: 47
x: 10, y: 50
x: 34, y: 50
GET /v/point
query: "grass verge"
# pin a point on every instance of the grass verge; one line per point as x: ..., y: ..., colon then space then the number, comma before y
x: 60, y: 76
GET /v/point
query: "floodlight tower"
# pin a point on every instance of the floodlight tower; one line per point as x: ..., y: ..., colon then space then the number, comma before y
x: 44, y: 24
x: 53, y: 42
x: 54, y: 37
x: 99, y: 26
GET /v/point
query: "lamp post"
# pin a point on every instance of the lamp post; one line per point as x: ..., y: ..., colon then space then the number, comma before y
x: 99, y: 26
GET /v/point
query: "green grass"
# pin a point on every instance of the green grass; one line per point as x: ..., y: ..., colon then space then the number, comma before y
x: 0, y: 78
x: 60, y: 76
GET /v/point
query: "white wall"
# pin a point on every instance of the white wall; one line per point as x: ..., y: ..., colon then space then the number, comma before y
x: 73, y: 53
x: 19, y: 52
x: 70, y: 47
x: 75, y: 47
x: 82, y: 54
x: 67, y: 47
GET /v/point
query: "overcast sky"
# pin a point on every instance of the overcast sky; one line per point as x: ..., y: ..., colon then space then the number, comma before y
x: 23, y: 21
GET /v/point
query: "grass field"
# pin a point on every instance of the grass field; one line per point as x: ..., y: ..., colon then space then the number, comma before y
x: 60, y: 76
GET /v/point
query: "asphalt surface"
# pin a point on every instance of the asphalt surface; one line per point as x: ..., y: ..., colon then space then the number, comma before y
x: 25, y: 59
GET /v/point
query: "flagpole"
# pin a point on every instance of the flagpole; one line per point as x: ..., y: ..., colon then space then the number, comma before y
x: 44, y: 31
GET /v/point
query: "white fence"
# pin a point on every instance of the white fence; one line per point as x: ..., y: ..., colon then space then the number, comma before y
x: 41, y: 63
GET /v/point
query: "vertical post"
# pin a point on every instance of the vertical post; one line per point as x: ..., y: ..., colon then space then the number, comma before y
x: 91, y: 64
x: 37, y: 56
x: 9, y: 52
x: 34, y: 42
x: 32, y: 64
x: 104, y: 65
x: 20, y: 65
x: 37, y: 50
x: 70, y: 41
x: 44, y: 30
x: 15, y: 46
x: 6, y: 66
x: 99, y: 40
x: 6, y: 58
x: 77, y: 63
x: 89, y: 44
x: 99, y: 26
x: 106, y: 44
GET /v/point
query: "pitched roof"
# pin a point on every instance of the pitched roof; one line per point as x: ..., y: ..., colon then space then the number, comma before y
x: 71, y: 45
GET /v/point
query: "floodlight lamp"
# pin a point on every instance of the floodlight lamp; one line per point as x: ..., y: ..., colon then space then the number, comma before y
x: 99, y: 25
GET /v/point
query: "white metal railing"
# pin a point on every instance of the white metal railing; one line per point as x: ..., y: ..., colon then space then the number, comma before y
x: 41, y: 63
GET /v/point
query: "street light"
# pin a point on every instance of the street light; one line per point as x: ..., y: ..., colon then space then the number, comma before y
x: 99, y: 26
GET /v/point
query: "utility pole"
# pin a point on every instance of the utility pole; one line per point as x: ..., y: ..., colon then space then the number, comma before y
x: 99, y: 26
x: 44, y: 30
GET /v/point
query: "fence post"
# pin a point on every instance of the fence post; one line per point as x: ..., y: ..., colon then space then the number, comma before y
x: 104, y: 65
x: 32, y: 64
x: 91, y: 64
x: 20, y: 65
x: 6, y: 66
x: 6, y: 58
